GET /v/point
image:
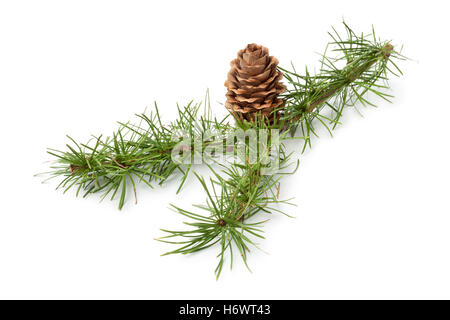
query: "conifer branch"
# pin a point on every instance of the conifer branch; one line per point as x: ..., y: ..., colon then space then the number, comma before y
x: 134, y: 153
x: 366, y: 64
x: 238, y: 192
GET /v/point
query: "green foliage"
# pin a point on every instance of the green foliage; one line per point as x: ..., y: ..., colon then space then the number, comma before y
x: 366, y: 63
x: 349, y: 69
x: 234, y: 197
x: 135, y: 153
x: 235, y: 194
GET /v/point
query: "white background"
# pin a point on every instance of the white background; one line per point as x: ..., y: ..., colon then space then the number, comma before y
x: 373, y: 215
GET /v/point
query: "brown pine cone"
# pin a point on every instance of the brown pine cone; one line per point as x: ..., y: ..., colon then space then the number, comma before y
x: 254, y: 83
